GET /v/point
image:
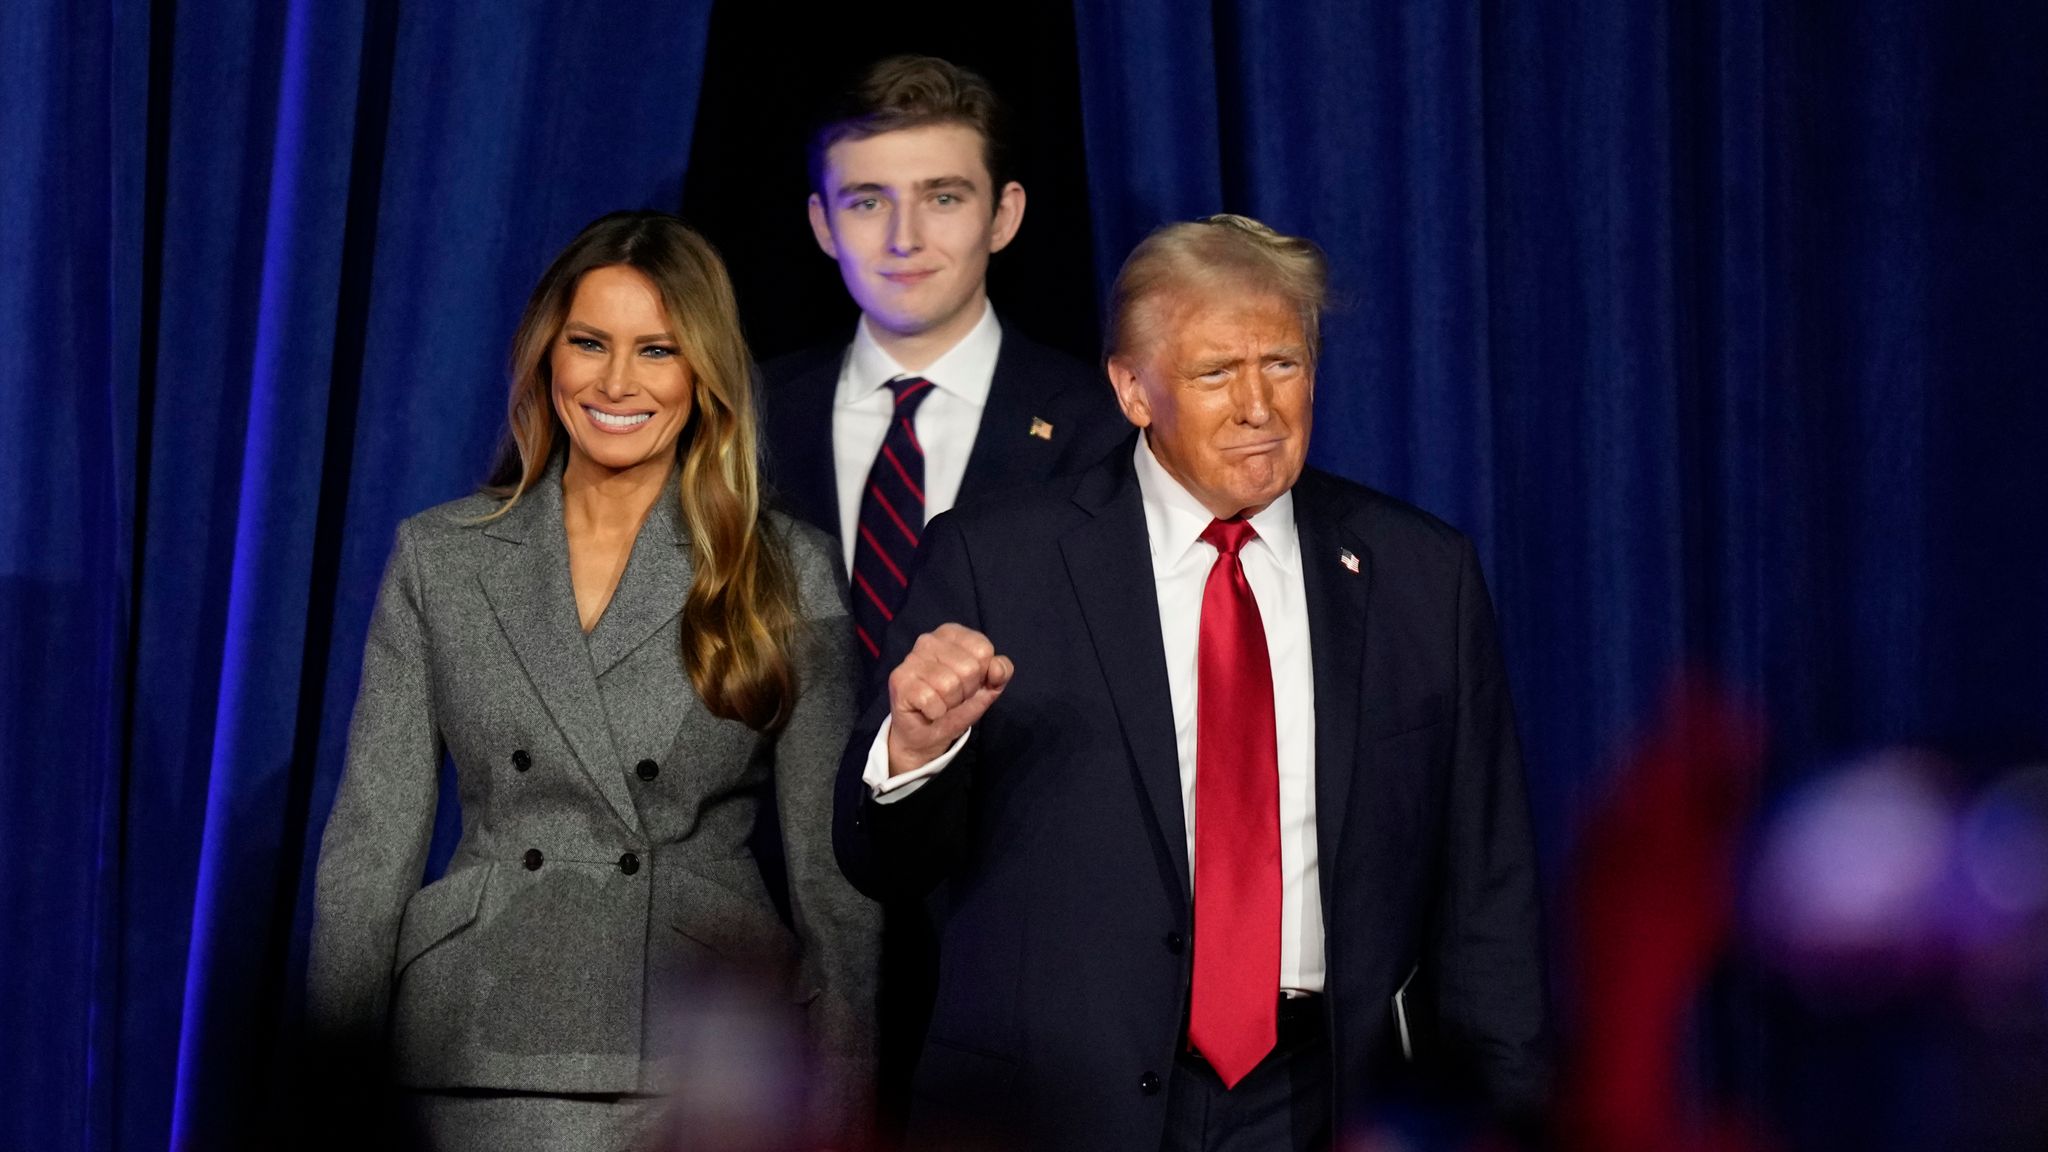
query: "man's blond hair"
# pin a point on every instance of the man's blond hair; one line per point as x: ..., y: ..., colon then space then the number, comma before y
x: 1215, y: 254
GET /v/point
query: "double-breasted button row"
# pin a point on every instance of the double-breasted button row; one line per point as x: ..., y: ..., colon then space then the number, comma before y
x: 646, y: 769
x: 628, y: 863
x: 533, y: 859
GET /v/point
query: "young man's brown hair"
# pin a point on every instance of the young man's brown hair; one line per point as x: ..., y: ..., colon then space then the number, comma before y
x: 911, y: 92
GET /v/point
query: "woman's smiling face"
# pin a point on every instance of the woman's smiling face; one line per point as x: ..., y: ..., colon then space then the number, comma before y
x: 621, y: 386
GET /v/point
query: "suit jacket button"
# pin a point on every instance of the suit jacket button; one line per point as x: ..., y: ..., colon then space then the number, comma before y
x: 1149, y: 1083
x: 521, y: 761
x: 629, y: 863
x: 1175, y: 942
x: 533, y: 859
x: 647, y: 769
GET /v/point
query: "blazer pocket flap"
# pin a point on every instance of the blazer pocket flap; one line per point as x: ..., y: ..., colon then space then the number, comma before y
x: 741, y: 930
x: 440, y: 910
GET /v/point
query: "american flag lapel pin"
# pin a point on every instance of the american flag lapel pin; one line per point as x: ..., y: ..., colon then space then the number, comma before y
x: 1041, y: 429
x: 1348, y: 559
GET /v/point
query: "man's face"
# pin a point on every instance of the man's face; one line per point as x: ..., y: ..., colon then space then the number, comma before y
x: 911, y: 216
x: 1223, y: 387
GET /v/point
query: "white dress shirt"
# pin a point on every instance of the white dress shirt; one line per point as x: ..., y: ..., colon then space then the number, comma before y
x: 946, y: 421
x: 1174, y: 523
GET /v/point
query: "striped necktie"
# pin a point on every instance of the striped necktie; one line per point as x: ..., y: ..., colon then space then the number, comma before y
x: 891, y: 520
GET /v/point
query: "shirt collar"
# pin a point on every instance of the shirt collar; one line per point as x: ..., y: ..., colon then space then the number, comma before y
x: 1175, y: 520
x: 965, y: 371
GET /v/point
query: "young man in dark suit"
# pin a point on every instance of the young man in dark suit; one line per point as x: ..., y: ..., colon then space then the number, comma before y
x: 933, y: 402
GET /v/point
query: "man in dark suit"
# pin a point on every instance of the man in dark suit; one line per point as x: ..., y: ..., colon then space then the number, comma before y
x: 1209, y: 760
x: 933, y: 402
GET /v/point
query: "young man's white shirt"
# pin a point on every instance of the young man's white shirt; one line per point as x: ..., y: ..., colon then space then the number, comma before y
x: 946, y: 421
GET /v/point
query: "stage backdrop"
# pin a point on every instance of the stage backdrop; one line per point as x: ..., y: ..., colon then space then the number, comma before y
x: 259, y: 263
x: 1718, y: 325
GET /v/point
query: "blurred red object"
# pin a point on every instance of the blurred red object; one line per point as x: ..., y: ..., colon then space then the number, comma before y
x: 1652, y: 907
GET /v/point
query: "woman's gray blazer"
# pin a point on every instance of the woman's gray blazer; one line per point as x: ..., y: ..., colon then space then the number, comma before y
x: 605, y: 819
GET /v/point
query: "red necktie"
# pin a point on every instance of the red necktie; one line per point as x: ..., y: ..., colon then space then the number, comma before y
x: 1234, y: 1005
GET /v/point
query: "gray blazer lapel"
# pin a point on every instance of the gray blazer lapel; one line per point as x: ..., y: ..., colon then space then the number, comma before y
x: 529, y: 590
x: 650, y: 591
x: 1111, y: 566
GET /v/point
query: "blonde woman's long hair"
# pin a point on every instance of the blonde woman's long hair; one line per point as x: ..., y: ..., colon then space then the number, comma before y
x: 740, y: 615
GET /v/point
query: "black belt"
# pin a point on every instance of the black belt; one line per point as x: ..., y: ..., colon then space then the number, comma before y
x: 1300, y: 1017
x: 1300, y: 1008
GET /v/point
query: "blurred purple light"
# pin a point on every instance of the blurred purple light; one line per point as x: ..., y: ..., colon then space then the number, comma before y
x: 2004, y: 845
x: 1853, y: 870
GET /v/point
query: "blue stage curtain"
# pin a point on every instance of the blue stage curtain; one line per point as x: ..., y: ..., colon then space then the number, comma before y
x: 1719, y: 326
x: 259, y: 265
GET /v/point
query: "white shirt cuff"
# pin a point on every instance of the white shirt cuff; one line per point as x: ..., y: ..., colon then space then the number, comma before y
x: 887, y: 789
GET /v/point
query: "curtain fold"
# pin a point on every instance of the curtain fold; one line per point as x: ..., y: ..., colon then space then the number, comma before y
x: 71, y: 227
x: 256, y: 282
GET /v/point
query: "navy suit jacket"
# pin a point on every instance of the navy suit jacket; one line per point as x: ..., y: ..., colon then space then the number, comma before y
x: 1054, y: 848
x: 1031, y: 382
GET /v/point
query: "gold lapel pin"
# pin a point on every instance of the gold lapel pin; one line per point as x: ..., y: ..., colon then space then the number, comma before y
x: 1041, y: 429
x: 1348, y: 559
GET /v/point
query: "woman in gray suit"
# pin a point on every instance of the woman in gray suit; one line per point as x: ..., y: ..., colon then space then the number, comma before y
x: 621, y: 651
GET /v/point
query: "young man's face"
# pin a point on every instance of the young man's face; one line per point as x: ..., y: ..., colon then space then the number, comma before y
x: 912, y: 216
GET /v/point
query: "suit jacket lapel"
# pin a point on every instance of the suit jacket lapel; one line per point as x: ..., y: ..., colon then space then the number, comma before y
x: 530, y: 593
x: 807, y: 475
x: 1005, y: 453
x: 1110, y: 563
x: 1337, y: 598
x: 650, y: 591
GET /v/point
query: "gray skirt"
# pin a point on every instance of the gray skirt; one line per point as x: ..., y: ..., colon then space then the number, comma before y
x: 521, y: 1122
